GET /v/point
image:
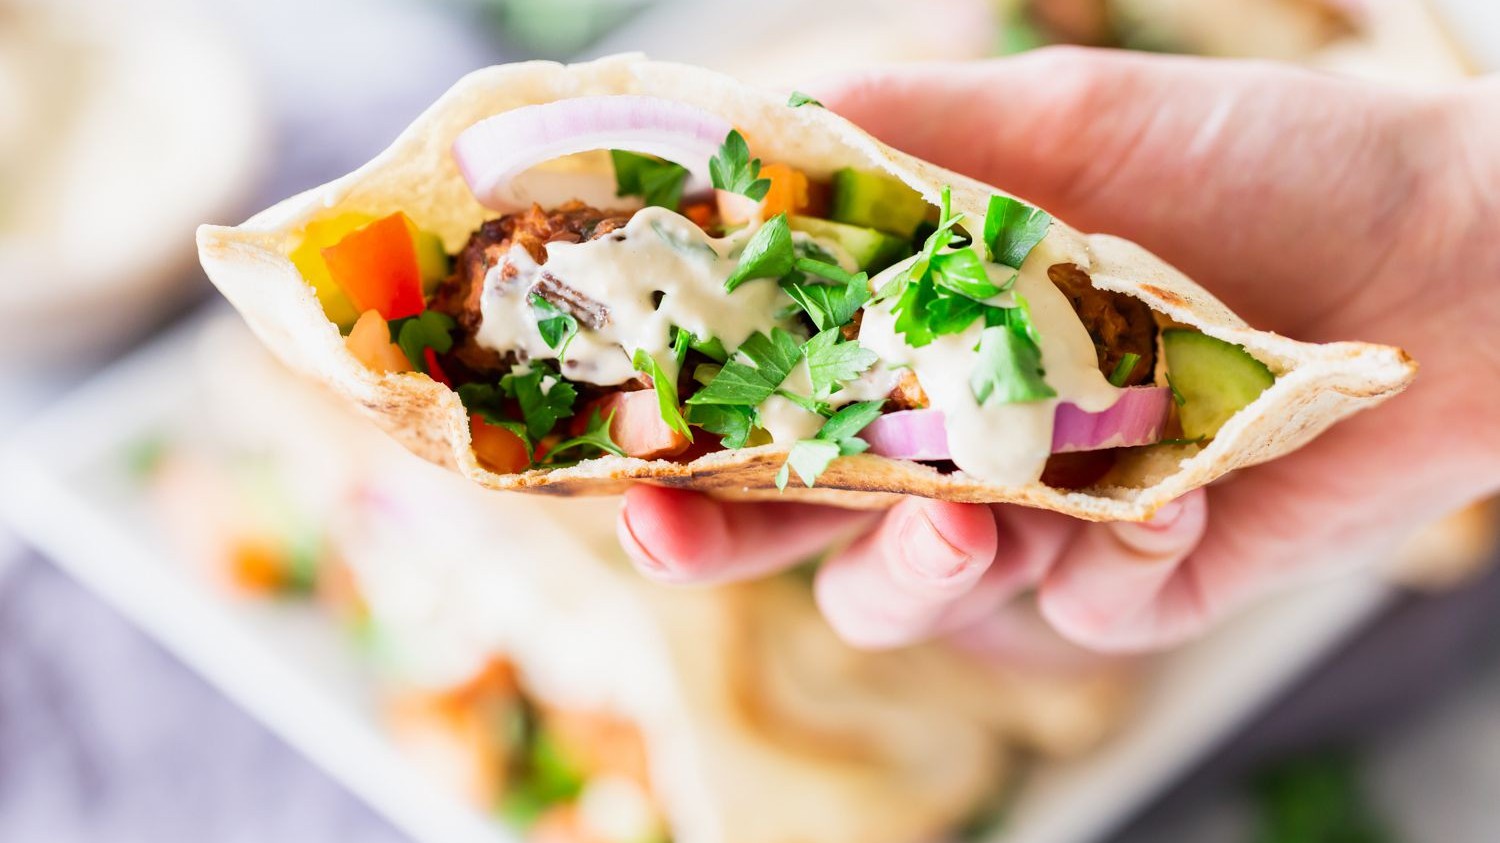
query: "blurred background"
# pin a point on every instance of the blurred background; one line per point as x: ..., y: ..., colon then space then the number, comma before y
x: 123, y: 125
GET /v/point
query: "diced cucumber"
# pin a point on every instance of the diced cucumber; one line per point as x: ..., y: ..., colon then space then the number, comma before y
x: 432, y: 259
x: 873, y: 200
x: 872, y: 250
x: 1215, y: 379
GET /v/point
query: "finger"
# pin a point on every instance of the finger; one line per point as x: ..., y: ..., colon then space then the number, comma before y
x: 1119, y: 587
x: 1028, y: 542
x: 1089, y: 134
x: 891, y: 587
x: 678, y: 536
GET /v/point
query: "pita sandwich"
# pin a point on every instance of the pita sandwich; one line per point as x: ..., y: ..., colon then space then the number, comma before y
x: 571, y: 278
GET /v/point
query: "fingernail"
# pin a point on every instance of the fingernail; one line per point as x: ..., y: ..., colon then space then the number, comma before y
x: 637, y: 549
x: 929, y: 553
x: 1166, y: 516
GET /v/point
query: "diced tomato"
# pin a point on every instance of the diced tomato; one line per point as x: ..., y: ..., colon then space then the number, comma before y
x: 500, y: 450
x: 370, y: 343
x: 701, y: 213
x: 377, y: 268
x: 637, y: 426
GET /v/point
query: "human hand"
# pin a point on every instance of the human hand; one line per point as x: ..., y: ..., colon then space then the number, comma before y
x: 1317, y: 207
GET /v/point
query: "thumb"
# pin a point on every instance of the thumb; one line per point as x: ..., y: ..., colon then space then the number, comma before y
x: 1217, y: 166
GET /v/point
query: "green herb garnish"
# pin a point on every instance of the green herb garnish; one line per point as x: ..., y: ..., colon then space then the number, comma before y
x: 415, y: 334
x: 837, y: 438
x: 735, y: 171
x: 1122, y: 371
x: 831, y: 362
x: 1012, y: 229
x: 557, y: 326
x: 1316, y: 799
x: 767, y: 362
x: 799, y: 99
x: 828, y: 305
x: 769, y: 254
x: 595, y: 436
x: 666, y: 392
x: 487, y: 402
x: 544, y: 396
x: 733, y: 422
x: 1009, y: 368
x: 656, y: 181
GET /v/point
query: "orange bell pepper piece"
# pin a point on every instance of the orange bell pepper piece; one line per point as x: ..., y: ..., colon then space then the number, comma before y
x: 788, y: 193
x: 500, y: 450
x: 377, y: 268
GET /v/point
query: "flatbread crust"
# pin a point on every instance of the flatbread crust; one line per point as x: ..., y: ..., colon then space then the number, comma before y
x: 1316, y: 386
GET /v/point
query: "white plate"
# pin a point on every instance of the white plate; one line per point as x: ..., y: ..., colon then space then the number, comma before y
x: 65, y: 488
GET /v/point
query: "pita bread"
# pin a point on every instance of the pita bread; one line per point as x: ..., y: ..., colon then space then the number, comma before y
x: 1316, y: 386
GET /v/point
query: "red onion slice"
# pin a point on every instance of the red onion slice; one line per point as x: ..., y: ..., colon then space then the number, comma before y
x: 494, y: 151
x: 1138, y: 418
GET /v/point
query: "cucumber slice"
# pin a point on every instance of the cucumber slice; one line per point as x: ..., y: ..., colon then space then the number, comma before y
x: 872, y: 200
x: 1215, y: 379
x: 432, y: 259
x: 872, y: 250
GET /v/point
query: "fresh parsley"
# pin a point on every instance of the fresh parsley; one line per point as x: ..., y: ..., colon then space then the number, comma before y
x: 428, y: 329
x: 666, y: 392
x: 769, y: 254
x: 595, y: 436
x: 1177, y: 397
x: 963, y: 272
x: 1009, y: 364
x: 545, y: 398
x: 656, y: 181
x: 732, y: 422
x: 557, y: 326
x: 1122, y: 370
x: 487, y: 402
x: 837, y: 438
x: 831, y: 362
x: 735, y: 171
x: 767, y: 362
x: 799, y: 99
x: 1012, y: 229
x: 828, y: 305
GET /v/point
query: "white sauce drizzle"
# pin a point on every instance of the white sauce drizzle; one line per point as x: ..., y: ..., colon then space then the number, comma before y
x: 1007, y: 444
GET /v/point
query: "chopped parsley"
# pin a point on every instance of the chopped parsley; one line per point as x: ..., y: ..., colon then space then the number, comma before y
x: 767, y: 362
x: 828, y: 305
x: 545, y: 398
x: 733, y: 422
x: 428, y: 329
x: 557, y: 326
x: 837, y: 438
x: 666, y: 392
x: 656, y: 181
x: 1012, y: 229
x: 735, y: 171
x: 1122, y: 371
x: 1009, y: 365
x: 799, y: 99
x: 595, y: 436
x: 831, y: 362
x: 1177, y: 397
x: 769, y: 254
x: 487, y: 402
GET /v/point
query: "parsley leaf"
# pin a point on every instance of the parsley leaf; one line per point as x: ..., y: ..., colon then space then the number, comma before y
x: 658, y: 182
x: 799, y: 99
x: 541, y: 406
x: 1123, y: 369
x: 733, y: 422
x: 666, y: 392
x: 735, y: 171
x: 487, y: 402
x: 1012, y: 229
x: 681, y: 342
x: 557, y: 326
x: 769, y: 254
x: 1009, y: 368
x: 712, y: 348
x: 963, y: 273
x: 829, y: 305
x: 830, y: 362
x: 770, y: 360
x: 595, y: 436
x: 428, y: 329
x: 837, y: 438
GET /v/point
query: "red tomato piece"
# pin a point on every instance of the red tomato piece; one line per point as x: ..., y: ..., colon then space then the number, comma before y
x: 500, y: 450
x: 376, y: 267
x: 637, y: 426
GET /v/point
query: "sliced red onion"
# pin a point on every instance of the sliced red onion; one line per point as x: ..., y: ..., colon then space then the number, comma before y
x: 1139, y: 417
x: 494, y: 151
